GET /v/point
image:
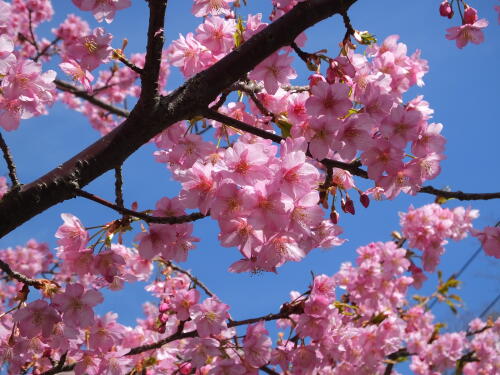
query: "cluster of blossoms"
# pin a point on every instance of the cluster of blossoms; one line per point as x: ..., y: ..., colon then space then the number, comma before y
x: 102, y: 10
x: 24, y: 90
x: 361, y: 309
x: 268, y: 200
x: 427, y: 228
x: 490, y: 239
x: 471, y: 28
x: 260, y: 193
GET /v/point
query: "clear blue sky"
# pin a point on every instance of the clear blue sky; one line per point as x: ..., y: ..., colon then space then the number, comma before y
x: 462, y: 87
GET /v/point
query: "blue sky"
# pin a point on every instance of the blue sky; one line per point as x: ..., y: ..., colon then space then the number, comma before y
x: 462, y: 88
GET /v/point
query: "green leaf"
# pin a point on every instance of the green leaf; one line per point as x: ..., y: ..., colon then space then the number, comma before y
x: 285, y: 127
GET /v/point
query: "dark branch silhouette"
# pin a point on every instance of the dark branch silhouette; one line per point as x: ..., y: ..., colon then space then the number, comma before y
x: 153, y: 114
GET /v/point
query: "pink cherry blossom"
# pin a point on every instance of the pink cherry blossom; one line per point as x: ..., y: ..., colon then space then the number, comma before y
x: 257, y: 345
x: 7, y: 58
x: 72, y: 236
x: 76, y: 305
x: 210, y: 317
x: 490, y: 239
x: 103, y: 10
x: 90, y: 50
x: 331, y: 101
x: 189, y: 55
x: 202, y: 8
x: 37, y: 317
x: 274, y: 70
x: 77, y: 73
x: 467, y: 33
x: 26, y: 91
x: 216, y: 34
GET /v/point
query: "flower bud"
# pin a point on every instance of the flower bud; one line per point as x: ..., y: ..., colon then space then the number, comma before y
x: 315, y: 78
x: 470, y: 15
x: 334, y: 217
x: 185, y: 368
x: 349, y: 206
x: 164, y: 307
x: 364, y: 199
x: 163, y: 318
x: 445, y: 9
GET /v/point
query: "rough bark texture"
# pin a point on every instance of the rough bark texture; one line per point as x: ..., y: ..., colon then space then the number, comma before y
x: 153, y: 114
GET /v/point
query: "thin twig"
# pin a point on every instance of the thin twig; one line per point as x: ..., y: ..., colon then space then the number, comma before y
x: 182, y: 335
x: 10, y: 163
x: 68, y: 87
x: 34, y: 43
x: 351, y: 167
x: 458, y: 194
x: 221, y: 100
x: 131, y: 65
x: 268, y: 370
x: 46, y: 48
x: 193, y: 278
x: 304, y: 56
x: 147, y: 218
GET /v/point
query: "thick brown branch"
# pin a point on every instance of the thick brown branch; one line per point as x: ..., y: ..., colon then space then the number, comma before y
x: 186, y: 102
x: 68, y: 87
x: 150, y: 92
x: 458, y: 194
x: 10, y: 163
x: 147, y: 218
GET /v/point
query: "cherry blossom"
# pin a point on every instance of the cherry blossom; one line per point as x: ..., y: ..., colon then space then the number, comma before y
x: 76, y: 305
x: 467, y: 33
x: 103, y: 10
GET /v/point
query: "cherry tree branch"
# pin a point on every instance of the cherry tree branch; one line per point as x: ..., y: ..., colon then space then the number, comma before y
x: 145, y: 121
x: 82, y: 94
x: 130, y: 65
x: 183, y: 335
x: 150, y: 93
x: 147, y: 218
x: 19, y: 276
x: 353, y: 168
x: 458, y: 194
x: 119, y: 187
x: 214, y: 115
x: 193, y: 278
x: 10, y: 162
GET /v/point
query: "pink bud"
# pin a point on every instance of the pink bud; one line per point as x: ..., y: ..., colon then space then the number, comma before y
x: 445, y: 9
x: 164, y: 307
x: 185, y: 368
x: 162, y: 329
x: 163, y: 318
x: 331, y: 72
x: 364, y: 199
x: 334, y: 217
x: 470, y: 15
x: 349, y: 206
x: 315, y: 78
